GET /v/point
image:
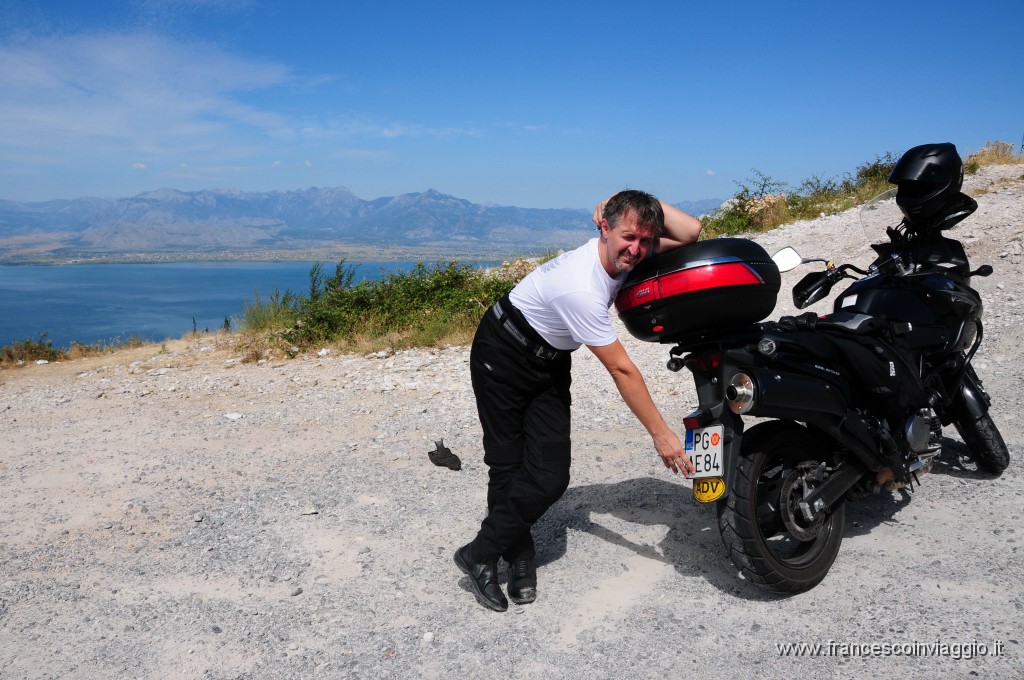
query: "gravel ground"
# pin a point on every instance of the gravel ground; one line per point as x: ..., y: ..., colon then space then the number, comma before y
x: 171, y: 511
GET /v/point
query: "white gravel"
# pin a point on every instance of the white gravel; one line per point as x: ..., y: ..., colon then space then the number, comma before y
x: 183, y: 514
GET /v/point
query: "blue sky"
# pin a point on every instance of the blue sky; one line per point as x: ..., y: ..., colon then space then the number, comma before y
x: 535, y: 104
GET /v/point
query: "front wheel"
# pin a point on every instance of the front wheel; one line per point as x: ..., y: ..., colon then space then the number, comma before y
x: 985, y: 443
x: 762, y: 526
x: 979, y: 432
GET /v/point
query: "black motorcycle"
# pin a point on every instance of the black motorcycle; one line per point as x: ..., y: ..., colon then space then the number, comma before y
x: 857, y: 398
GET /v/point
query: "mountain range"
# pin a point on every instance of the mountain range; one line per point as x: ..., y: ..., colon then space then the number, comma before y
x: 214, y: 224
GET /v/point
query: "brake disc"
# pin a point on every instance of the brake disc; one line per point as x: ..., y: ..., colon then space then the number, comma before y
x: 795, y: 488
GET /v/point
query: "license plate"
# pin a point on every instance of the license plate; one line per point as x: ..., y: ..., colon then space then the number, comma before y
x: 704, y: 447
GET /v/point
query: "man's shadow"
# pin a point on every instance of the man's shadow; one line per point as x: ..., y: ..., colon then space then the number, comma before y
x: 693, y: 545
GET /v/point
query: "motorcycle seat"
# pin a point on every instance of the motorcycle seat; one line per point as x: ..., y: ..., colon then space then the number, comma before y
x: 842, y: 322
x: 851, y: 322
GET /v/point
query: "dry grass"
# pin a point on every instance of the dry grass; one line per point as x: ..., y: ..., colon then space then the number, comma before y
x: 41, y: 349
x: 768, y: 211
x: 993, y: 153
x: 457, y: 333
x: 79, y: 351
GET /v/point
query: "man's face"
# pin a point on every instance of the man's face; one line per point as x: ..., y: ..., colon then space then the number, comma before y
x: 626, y: 244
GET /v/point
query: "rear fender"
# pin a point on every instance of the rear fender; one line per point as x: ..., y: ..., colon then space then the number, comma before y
x: 733, y: 444
x: 710, y: 396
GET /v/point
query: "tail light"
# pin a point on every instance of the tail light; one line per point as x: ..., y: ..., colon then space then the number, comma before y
x: 703, y: 363
x: 717, y: 275
x: 698, y: 419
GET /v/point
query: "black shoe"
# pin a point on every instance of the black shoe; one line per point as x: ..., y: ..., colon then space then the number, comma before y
x: 522, y: 581
x: 484, y: 578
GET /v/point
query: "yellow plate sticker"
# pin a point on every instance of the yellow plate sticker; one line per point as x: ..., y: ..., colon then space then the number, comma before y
x: 708, y: 489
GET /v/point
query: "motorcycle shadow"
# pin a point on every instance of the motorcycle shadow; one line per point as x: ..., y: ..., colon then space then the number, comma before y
x: 955, y: 461
x: 692, y: 544
x: 864, y: 514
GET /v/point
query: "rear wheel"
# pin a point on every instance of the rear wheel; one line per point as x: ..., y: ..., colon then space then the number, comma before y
x: 985, y: 443
x: 762, y: 526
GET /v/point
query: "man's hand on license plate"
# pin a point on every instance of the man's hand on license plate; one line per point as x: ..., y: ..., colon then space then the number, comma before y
x: 672, y: 454
x: 684, y: 465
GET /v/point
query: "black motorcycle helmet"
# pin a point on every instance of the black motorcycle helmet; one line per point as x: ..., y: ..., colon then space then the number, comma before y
x: 928, y: 180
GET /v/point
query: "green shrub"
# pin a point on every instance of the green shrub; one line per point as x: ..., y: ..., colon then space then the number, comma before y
x: 876, y: 172
x: 272, y: 314
x: 745, y: 211
x: 421, y: 307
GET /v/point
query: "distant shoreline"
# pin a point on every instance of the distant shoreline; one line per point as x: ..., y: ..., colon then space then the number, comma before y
x: 427, y: 254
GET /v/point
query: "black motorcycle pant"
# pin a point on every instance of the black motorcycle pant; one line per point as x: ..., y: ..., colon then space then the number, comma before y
x: 523, y: 401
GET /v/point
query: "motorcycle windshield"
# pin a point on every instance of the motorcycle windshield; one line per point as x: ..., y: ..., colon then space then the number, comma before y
x: 878, y: 214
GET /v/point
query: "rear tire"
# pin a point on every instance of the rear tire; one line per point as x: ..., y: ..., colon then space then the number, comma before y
x: 767, y: 540
x: 985, y: 443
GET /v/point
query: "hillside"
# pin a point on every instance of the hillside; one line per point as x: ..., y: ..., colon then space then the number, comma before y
x: 215, y: 224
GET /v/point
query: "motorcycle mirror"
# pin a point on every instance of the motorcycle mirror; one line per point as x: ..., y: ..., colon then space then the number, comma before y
x: 810, y: 289
x: 787, y: 259
x: 983, y: 270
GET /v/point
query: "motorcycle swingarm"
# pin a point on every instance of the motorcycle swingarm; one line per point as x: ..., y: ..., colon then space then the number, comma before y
x: 826, y: 495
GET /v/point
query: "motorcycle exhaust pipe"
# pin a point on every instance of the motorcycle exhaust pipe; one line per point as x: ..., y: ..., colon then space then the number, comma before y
x: 775, y: 394
x: 791, y: 396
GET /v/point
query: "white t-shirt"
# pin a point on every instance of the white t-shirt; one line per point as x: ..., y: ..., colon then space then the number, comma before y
x: 566, y: 300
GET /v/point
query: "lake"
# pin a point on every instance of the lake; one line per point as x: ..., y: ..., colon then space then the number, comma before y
x: 89, y: 303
